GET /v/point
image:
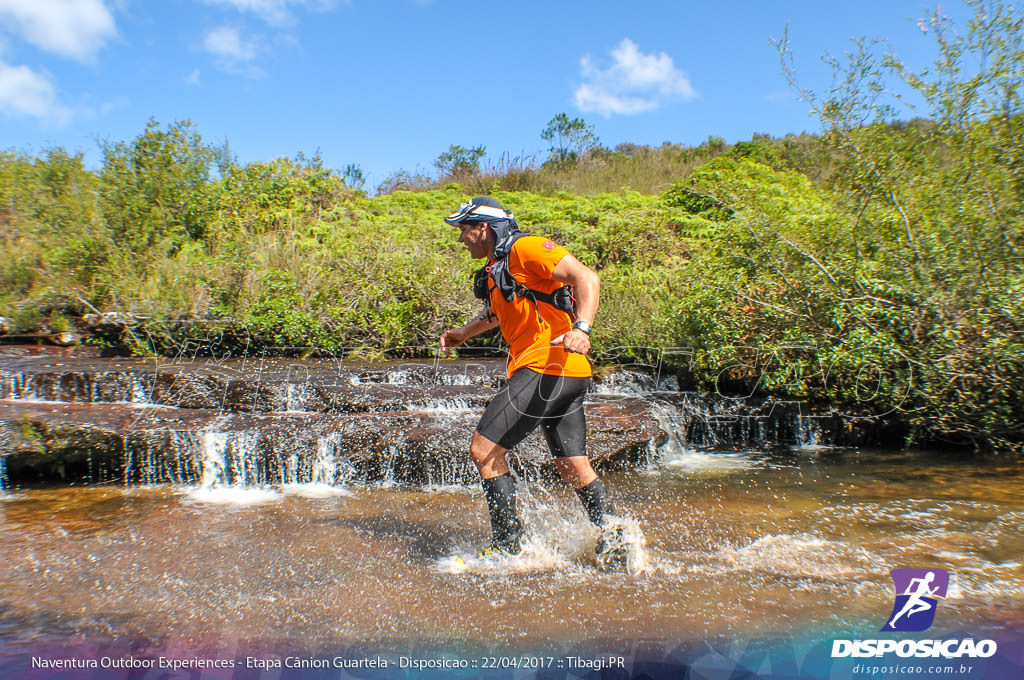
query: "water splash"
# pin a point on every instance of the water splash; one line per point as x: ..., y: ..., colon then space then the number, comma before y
x: 798, y: 555
x: 537, y: 556
x: 625, y: 534
x: 703, y: 463
x: 557, y: 539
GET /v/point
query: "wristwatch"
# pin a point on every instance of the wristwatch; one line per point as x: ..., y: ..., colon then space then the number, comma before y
x: 582, y: 326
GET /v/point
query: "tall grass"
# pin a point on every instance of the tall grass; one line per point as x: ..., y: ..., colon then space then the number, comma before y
x: 765, y: 260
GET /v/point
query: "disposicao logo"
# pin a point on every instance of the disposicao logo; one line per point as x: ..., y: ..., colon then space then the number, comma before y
x: 917, y: 596
x: 916, y: 593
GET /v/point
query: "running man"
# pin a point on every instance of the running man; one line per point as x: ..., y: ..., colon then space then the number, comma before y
x: 523, y: 289
x: 917, y: 589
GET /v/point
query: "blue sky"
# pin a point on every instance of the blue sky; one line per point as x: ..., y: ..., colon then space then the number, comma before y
x: 390, y: 84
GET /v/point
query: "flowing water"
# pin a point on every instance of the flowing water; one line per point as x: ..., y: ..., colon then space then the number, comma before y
x: 733, y: 544
x: 273, y: 516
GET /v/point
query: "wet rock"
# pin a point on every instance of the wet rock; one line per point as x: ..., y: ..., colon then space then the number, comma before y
x: 69, y: 415
x: 63, y: 339
x: 44, y: 443
x: 247, y: 385
x: 156, y: 444
x: 622, y: 433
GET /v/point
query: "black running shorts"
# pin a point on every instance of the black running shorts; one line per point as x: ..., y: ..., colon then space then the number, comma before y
x: 529, y: 399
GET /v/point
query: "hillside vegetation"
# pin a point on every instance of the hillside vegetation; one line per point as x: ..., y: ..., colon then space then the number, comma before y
x: 876, y: 266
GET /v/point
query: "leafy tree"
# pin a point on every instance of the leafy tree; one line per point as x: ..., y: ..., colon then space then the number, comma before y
x: 224, y: 159
x: 403, y: 180
x: 157, y: 188
x: 570, y: 139
x: 266, y: 195
x: 354, y: 176
x: 929, y: 267
x: 459, y: 161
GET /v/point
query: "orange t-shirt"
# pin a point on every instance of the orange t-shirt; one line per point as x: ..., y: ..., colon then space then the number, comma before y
x: 529, y: 334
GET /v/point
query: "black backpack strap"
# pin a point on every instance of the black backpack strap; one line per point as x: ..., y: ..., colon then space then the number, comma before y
x: 563, y: 299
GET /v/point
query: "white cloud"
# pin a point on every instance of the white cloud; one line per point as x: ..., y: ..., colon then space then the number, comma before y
x: 23, y: 92
x: 634, y: 83
x: 192, y: 79
x: 275, y: 12
x: 226, y: 43
x: 71, y: 28
x: 595, y: 97
x: 236, y: 54
x: 232, y: 52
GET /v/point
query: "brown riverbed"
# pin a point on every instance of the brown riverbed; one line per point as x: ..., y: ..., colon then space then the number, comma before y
x: 736, y: 545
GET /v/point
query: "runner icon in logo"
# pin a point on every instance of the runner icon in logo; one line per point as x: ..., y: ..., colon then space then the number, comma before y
x: 916, y: 593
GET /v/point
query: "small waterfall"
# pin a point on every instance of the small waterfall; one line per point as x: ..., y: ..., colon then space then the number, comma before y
x: 388, y: 466
x: 622, y: 383
x: 326, y: 473
x: 291, y: 469
x: 187, y: 464
x: 229, y: 459
x: 221, y: 425
x: 454, y: 406
x: 451, y: 471
x: 676, y: 424
x: 141, y: 389
x: 677, y: 454
x: 214, y: 460
x: 110, y: 387
x: 19, y: 386
x: 400, y: 377
x: 809, y: 433
x: 244, y: 462
x: 325, y: 466
x: 234, y: 466
x: 231, y: 472
x: 386, y: 377
x: 295, y: 398
x: 456, y: 379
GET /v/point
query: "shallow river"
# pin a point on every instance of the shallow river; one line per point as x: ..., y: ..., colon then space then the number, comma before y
x: 725, y: 546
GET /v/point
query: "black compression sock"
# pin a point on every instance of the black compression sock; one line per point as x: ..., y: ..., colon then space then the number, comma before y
x: 595, y: 501
x: 500, y: 492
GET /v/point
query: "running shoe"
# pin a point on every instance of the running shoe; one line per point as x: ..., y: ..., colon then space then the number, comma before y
x: 612, y: 549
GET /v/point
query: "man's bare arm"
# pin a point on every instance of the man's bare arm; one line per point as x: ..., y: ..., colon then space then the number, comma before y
x: 481, y: 323
x: 588, y: 295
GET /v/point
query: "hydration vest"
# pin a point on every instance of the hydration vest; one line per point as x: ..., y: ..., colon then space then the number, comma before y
x: 497, y: 275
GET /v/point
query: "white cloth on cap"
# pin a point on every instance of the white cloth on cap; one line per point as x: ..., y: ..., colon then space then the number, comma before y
x: 468, y: 210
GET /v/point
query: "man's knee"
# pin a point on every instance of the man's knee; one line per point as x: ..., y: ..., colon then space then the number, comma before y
x: 480, y: 449
x: 488, y: 456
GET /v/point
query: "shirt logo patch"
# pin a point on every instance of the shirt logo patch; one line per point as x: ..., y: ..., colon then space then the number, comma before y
x: 550, y: 245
